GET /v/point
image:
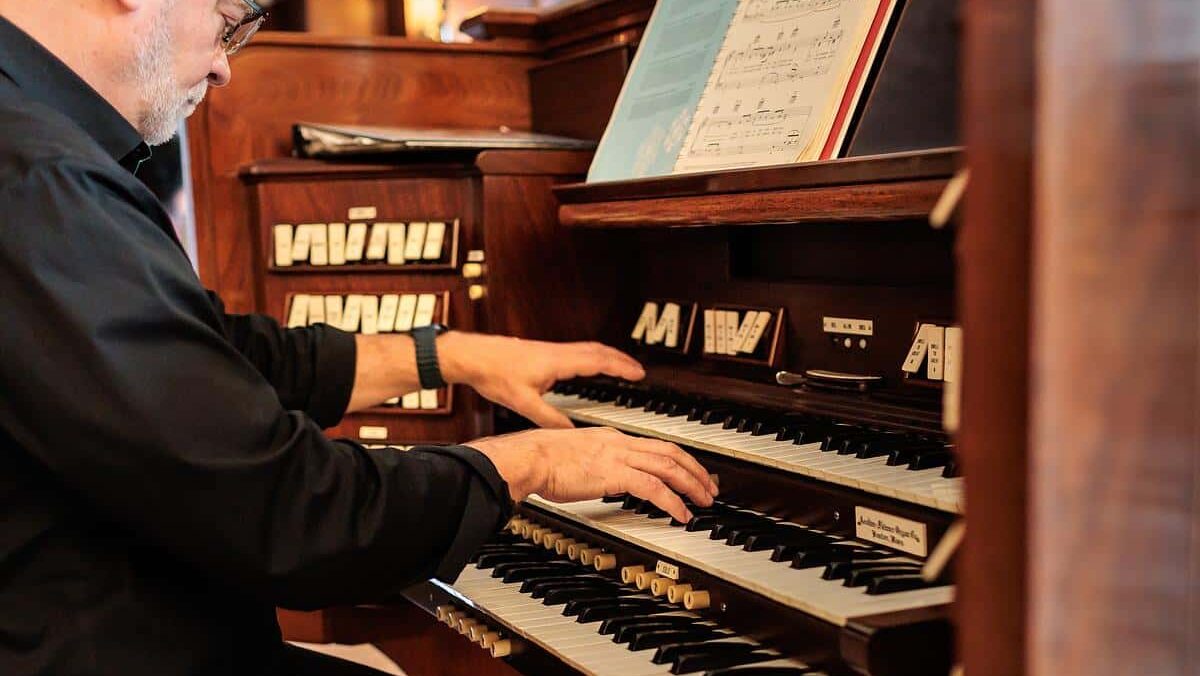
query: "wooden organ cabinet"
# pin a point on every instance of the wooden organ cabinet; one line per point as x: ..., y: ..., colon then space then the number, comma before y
x: 800, y: 324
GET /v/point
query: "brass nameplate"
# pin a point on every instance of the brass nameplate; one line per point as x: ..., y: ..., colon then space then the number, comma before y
x: 891, y: 531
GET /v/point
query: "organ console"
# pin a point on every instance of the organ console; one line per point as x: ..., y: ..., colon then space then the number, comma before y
x: 805, y: 332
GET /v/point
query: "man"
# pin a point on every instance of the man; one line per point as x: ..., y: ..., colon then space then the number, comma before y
x: 164, y: 482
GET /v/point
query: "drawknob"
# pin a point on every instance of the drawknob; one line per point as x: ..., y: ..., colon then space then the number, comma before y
x: 605, y: 561
x: 676, y: 593
x: 696, y: 600
x: 661, y: 586
x: 644, y: 579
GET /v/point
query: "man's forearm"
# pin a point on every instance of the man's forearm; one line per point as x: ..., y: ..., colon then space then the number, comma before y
x: 387, y: 367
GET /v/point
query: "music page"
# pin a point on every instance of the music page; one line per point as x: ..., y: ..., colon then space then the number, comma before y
x: 665, y: 81
x: 786, y: 70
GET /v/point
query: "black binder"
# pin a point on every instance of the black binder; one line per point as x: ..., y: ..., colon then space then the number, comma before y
x: 913, y: 99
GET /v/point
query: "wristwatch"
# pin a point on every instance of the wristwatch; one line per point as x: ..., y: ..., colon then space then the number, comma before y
x: 425, y: 340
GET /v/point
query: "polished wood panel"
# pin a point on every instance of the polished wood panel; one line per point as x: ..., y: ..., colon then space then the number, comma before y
x: 404, y: 633
x: 911, y: 166
x: 886, y: 202
x: 280, y: 79
x: 542, y: 282
x: 296, y: 192
x: 994, y: 270
x: 562, y: 107
x: 1115, y: 444
x: 576, y: 28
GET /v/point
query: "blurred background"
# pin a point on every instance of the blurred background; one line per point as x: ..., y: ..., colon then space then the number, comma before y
x: 434, y: 19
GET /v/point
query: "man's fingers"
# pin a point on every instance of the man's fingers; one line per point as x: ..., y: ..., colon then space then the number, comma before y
x: 595, y: 358
x: 678, y: 455
x: 541, y: 413
x: 665, y: 469
x: 650, y: 488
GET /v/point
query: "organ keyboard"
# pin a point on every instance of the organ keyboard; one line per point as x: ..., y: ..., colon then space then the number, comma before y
x: 788, y: 563
x: 908, y: 467
x: 596, y: 624
x: 818, y: 569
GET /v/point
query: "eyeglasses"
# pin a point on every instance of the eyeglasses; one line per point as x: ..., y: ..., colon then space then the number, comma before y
x: 243, y: 18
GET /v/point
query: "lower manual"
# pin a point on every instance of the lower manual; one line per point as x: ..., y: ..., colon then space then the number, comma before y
x: 519, y: 593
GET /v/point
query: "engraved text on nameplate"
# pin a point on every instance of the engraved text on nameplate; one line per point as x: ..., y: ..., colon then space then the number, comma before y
x: 891, y: 531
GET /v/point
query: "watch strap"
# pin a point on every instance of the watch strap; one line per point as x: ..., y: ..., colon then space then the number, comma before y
x: 428, y: 371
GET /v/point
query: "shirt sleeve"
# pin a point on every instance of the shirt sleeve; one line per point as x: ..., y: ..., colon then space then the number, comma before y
x: 311, y: 368
x: 122, y: 386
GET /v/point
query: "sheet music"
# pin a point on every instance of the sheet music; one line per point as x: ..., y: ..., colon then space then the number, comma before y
x: 777, y: 83
x: 664, y: 83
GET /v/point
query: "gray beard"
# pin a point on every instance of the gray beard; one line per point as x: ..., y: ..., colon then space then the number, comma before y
x: 164, y: 105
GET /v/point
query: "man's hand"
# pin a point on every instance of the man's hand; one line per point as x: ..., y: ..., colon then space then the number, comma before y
x: 516, y: 373
x: 569, y: 465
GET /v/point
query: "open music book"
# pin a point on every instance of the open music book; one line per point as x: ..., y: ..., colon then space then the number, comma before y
x: 722, y: 84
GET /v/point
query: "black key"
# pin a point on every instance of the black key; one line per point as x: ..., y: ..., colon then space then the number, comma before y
x: 810, y: 435
x: 751, y: 419
x: 619, y: 497
x: 537, y: 588
x: 624, y: 629
x: 859, y: 578
x: 678, y: 409
x: 631, y: 399
x: 738, y: 522
x: 500, y: 569
x: 889, y: 584
x: 761, y: 670
x: 951, y: 470
x: 697, y: 410
x: 503, y: 549
x: 816, y: 558
x: 731, y: 421
x: 603, y: 394
x: 560, y: 595
x: 671, y: 653
x: 786, y: 535
x: 491, y: 559
x: 622, y: 609
x: 518, y: 572
x: 930, y: 459
x: 692, y: 663
x: 905, y: 456
x: 767, y: 426
x: 660, y: 637
x: 884, y: 447
x: 714, y: 416
x: 840, y: 570
x: 650, y: 510
x: 836, y: 437
x: 849, y: 445
x: 631, y: 502
x: 721, y: 519
x: 737, y: 536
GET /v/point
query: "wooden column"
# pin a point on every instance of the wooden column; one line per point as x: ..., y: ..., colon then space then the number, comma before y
x: 1115, y: 454
x: 993, y: 260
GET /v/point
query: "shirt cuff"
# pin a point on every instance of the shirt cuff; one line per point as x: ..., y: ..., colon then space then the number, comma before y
x: 488, y: 508
x: 337, y: 361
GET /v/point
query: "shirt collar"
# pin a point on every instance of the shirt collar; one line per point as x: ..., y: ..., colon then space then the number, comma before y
x: 44, y: 78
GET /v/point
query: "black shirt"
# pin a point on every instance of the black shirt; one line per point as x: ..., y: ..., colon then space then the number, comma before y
x: 164, y: 481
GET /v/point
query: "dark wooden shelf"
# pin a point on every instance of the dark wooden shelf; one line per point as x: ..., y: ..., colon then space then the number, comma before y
x: 885, y: 187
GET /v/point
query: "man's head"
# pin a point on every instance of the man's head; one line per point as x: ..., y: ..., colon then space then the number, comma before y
x: 153, y: 60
